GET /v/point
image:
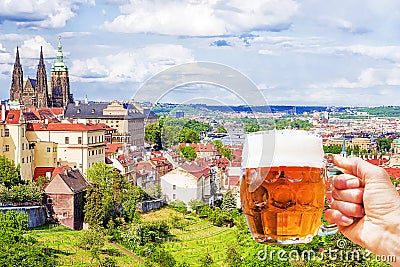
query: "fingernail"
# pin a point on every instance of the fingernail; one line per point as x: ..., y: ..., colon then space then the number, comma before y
x: 346, y: 221
x: 352, y: 183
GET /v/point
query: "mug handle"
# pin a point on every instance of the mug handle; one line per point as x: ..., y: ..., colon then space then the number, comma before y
x: 330, y: 229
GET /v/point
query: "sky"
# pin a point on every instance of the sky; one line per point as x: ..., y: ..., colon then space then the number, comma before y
x: 308, y: 52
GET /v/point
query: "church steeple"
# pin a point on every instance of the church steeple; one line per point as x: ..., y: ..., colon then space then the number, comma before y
x: 60, y: 92
x: 41, y: 89
x: 59, y: 65
x: 17, y: 80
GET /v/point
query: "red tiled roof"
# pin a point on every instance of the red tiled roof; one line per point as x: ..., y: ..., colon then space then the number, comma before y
x: 59, y: 170
x: 111, y: 147
x: 394, y: 172
x: 12, y: 116
x: 196, y: 170
x: 144, y: 165
x: 42, y: 171
x: 125, y: 161
x: 377, y: 161
x: 55, y: 111
x: 204, y: 147
x: 62, y: 127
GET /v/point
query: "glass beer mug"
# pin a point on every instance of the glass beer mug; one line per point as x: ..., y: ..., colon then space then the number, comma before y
x: 283, y: 188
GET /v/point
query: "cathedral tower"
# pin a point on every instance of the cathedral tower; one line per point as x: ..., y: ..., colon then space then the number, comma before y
x: 42, y: 95
x: 17, y: 82
x: 60, y: 93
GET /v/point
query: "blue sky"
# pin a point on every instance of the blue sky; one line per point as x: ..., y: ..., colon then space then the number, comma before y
x: 296, y: 52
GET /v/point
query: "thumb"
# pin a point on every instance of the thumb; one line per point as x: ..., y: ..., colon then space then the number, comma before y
x: 365, y: 171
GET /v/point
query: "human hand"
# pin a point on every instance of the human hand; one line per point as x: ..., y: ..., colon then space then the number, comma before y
x: 366, y: 206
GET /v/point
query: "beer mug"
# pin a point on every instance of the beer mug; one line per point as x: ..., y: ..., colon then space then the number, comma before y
x: 282, y: 188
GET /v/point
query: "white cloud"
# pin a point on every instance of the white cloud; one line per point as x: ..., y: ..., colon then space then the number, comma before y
x: 30, y: 48
x: 129, y: 66
x: 378, y: 52
x: 202, y: 17
x: 40, y: 13
x: 368, y: 78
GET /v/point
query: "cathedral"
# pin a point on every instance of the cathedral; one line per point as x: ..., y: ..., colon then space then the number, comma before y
x: 37, y: 92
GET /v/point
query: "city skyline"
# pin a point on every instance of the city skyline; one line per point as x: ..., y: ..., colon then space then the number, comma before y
x: 296, y: 53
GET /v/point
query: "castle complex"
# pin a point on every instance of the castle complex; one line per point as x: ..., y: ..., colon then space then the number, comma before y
x: 37, y: 92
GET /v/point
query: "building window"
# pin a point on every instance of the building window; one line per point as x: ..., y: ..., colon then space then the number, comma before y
x: 174, y: 187
x: 23, y: 132
x: 173, y: 196
x: 6, y: 132
x: 2, y: 132
x: 66, y: 140
x: 48, y: 149
x: 23, y: 160
x: 95, y: 139
x: 79, y: 140
x: 7, y: 148
x: 30, y: 158
x: 55, y: 160
x: 23, y: 146
x: 54, y: 149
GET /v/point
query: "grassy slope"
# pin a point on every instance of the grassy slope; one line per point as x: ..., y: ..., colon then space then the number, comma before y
x: 196, y: 239
x: 63, y: 241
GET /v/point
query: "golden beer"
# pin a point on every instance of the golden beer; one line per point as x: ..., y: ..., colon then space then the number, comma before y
x: 282, y: 202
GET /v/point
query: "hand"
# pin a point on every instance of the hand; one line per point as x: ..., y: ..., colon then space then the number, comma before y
x: 366, y: 206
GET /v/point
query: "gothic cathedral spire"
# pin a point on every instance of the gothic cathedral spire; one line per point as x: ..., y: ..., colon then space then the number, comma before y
x: 60, y: 89
x: 42, y: 98
x: 17, y: 80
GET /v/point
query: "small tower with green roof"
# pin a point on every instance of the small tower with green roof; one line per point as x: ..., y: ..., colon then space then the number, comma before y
x: 60, y: 89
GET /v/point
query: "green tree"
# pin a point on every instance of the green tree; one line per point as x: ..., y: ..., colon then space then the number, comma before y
x: 226, y: 152
x: 384, y: 144
x: 9, y: 173
x: 188, y: 152
x: 42, y: 180
x: 25, y: 193
x: 251, y: 127
x: 233, y: 258
x: 19, y: 248
x: 94, y: 210
x: 189, y: 136
x: 153, y: 134
x: 220, y: 129
x: 218, y: 144
x: 228, y: 202
x: 195, y: 205
x: 197, y: 126
x: 110, y: 185
x: 92, y: 240
x: 4, y: 194
x: 132, y: 196
x: 169, y: 136
x: 179, y: 206
x: 206, y: 260
x: 153, y: 191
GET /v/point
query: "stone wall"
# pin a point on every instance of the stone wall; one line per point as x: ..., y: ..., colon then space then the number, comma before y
x: 37, y: 215
x: 149, y: 205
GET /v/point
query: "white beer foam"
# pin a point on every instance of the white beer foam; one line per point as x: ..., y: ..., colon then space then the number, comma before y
x: 282, y: 148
